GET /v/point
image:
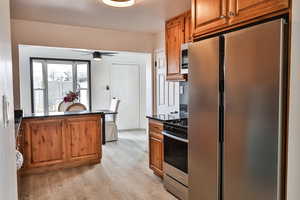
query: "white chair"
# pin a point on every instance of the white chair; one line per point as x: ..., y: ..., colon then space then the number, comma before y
x: 111, y: 129
x: 62, y: 107
x: 76, y: 107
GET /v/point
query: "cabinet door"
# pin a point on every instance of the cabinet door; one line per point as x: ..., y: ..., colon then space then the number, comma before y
x: 84, y: 138
x: 174, y: 39
x: 188, y: 27
x: 242, y: 10
x: 156, y: 153
x: 208, y: 15
x: 44, y: 143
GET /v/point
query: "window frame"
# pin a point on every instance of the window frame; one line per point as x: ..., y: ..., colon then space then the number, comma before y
x: 74, y: 71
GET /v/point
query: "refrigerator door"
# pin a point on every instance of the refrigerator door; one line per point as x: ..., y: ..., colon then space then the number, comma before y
x: 203, y: 119
x: 253, y: 109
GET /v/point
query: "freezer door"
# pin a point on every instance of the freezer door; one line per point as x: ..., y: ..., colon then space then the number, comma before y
x: 253, y: 109
x: 203, y: 120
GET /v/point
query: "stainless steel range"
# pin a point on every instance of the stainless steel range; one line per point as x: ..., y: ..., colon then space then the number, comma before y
x: 176, y: 158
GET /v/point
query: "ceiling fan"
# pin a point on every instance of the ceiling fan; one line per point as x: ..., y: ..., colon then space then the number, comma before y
x: 97, y: 55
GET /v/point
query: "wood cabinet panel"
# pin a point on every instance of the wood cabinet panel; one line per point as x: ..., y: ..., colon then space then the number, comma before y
x: 188, y: 27
x: 174, y: 39
x: 45, y: 142
x: 156, y: 155
x: 212, y: 16
x: 84, y: 137
x: 208, y: 15
x: 61, y: 142
x: 242, y: 10
x: 155, y: 126
x: 178, y: 32
x: 156, y: 150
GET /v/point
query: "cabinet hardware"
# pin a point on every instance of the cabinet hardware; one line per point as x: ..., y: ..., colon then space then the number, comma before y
x: 222, y: 16
x: 232, y: 14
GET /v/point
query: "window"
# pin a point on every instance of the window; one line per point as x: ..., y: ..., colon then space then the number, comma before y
x: 52, y: 79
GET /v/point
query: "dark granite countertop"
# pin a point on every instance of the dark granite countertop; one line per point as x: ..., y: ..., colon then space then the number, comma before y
x: 167, y: 117
x: 72, y: 113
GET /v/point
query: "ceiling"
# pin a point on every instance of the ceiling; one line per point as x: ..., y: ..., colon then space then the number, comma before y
x: 144, y: 16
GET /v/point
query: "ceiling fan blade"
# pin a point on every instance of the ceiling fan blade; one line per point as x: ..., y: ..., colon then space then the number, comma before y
x: 83, y: 51
x: 108, y: 53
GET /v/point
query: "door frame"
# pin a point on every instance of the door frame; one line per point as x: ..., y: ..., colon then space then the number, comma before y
x: 154, y: 80
x: 139, y: 86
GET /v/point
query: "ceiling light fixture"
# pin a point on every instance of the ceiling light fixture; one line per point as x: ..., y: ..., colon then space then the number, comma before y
x: 97, y: 56
x: 119, y: 3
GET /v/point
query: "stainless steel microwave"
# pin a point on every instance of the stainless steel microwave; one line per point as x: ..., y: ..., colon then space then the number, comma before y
x: 184, y: 58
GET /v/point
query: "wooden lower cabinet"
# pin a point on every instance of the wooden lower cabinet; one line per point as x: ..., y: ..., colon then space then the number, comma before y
x: 44, y: 143
x: 156, y: 147
x: 58, y: 142
x: 82, y: 143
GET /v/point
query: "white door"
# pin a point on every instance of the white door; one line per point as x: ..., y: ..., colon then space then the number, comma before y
x: 125, y: 85
x: 167, y: 93
x: 8, y: 172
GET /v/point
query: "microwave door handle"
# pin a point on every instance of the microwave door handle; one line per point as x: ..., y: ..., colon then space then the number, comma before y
x: 175, y: 137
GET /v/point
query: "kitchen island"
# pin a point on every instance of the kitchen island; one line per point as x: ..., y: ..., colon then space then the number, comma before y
x: 51, y: 141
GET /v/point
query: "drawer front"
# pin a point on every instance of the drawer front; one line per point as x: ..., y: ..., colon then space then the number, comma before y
x: 156, y: 126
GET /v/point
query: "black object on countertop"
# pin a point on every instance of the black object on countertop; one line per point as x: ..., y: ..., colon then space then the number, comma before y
x: 168, y: 117
x: 18, y: 115
x: 181, y: 124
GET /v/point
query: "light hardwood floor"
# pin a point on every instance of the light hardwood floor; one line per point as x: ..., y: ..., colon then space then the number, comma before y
x: 122, y: 175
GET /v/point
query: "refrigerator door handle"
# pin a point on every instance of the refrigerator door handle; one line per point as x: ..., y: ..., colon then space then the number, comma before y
x: 5, y: 106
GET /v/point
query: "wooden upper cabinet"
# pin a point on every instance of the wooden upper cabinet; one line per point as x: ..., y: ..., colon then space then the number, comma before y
x: 188, y: 37
x: 174, y: 39
x: 44, y: 143
x: 242, y: 10
x: 216, y: 15
x: 208, y: 15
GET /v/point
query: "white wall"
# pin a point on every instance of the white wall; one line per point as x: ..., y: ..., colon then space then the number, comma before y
x: 8, y: 179
x: 293, y: 184
x: 101, y: 79
x: 55, y: 35
x: 100, y: 75
x: 159, y: 41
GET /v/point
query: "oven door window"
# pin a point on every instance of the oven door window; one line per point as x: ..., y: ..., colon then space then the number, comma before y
x: 175, y: 153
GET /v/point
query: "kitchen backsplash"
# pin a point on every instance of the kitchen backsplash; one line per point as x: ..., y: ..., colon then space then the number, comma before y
x: 183, y: 96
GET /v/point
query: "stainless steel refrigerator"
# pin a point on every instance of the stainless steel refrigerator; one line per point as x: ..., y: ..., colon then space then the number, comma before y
x: 237, y: 85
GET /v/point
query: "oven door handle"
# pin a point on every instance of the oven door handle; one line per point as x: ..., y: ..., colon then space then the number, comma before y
x: 174, y: 137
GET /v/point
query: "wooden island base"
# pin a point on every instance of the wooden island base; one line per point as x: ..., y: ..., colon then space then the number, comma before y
x: 51, y: 143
